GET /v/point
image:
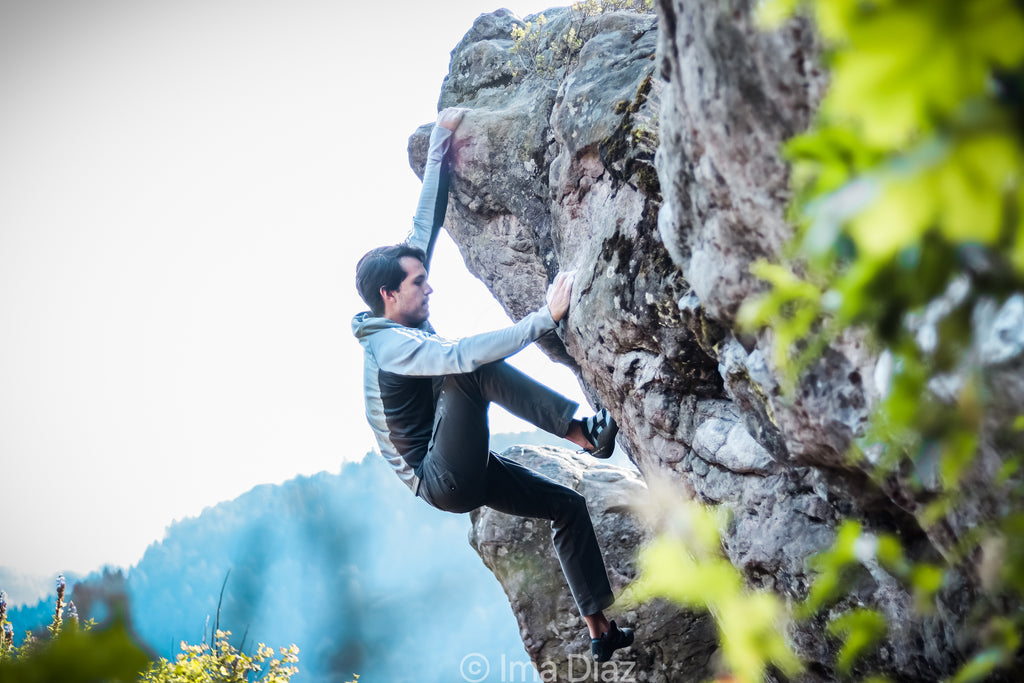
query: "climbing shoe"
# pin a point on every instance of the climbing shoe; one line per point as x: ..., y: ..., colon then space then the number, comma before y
x: 610, y: 641
x: 600, y: 430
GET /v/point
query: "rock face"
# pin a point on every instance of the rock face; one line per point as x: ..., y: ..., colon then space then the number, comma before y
x: 518, y: 551
x: 650, y: 165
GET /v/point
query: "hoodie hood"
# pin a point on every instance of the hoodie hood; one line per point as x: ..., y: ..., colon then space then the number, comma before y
x: 366, y: 324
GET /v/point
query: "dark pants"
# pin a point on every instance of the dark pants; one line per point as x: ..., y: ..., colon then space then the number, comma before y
x: 459, y: 473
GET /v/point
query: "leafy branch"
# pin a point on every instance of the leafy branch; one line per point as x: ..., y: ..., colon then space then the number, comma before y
x: 909, y: 214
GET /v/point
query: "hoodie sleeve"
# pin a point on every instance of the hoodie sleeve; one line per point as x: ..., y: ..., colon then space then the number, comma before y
x: 433, y: 196
x: 414, y: 352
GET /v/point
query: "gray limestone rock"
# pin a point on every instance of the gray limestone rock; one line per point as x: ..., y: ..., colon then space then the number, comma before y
x: 650, y: 164
x: 518, y: 550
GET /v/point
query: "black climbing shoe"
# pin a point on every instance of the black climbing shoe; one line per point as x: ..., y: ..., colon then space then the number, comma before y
x: 600, y: 430
x: 610, y: 641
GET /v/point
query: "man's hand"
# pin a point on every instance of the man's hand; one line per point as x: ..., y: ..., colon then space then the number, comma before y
x: 559, y: 294
x: 451, y: 117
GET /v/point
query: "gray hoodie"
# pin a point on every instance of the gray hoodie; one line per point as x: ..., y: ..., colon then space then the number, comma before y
x: 404, y: 366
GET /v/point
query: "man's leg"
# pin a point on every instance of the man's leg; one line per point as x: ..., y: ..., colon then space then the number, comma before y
x: 542, y: 407
x: 459, y: 474
x: 518, y: 490
x: 525, y: 397
x: 453, y: 471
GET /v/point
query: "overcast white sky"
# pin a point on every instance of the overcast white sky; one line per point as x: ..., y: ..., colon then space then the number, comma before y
x: 185, y: 187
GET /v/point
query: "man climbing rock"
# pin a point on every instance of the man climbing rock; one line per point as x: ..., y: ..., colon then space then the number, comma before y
x: 427, y: 399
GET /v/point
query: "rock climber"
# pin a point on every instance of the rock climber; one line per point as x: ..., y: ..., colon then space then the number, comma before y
x: 427, y: 399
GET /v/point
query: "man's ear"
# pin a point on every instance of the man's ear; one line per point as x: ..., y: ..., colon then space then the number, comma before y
x: 387, y: 294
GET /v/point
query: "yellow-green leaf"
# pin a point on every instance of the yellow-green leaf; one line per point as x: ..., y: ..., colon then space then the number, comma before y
x: 896, y: 219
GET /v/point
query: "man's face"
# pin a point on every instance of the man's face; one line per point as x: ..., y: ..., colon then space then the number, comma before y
x: 408, y: 304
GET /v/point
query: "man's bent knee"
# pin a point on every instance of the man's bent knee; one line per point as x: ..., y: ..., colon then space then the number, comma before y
x: 571, y: 504
x: 445, y: 491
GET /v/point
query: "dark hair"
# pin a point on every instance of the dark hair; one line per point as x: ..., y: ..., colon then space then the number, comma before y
x: 381, y: 268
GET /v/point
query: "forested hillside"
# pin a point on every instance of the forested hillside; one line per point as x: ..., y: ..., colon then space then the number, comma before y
x: 350, y: 567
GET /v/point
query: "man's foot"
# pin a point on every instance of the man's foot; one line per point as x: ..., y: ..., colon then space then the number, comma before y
x: 600, y: 431
x: 610, y: 641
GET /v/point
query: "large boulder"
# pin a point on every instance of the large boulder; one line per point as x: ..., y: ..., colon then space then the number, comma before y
x: 675, y: 646
x: 649, y: 162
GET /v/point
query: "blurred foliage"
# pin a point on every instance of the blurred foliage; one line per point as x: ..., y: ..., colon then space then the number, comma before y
x: 861, y: 628
x: 854, y: 547
x: 550, y: 55
x: 78, y: 652
x: 685, y: 564
x: 223, y: 663
x: 74, y: 652
x: 909, y: 213
x: 102, y: 654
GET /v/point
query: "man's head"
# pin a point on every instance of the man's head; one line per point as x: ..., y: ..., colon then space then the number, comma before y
x: 393, y: 283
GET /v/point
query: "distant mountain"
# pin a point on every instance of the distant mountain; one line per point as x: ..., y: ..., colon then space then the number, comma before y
x: 361, y: 575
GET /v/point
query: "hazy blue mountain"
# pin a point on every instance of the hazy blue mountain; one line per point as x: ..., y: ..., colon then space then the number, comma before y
x: 358, y: 573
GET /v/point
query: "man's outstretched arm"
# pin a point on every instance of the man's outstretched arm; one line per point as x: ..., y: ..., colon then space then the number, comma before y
x: 405, y: 351
x: 434, y: 196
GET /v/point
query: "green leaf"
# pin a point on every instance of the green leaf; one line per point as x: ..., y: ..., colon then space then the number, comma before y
x: 771, y: 14
x: 831, y: 568
x: 979, y: 666
x: 861, y: 629
x: 102, y: 654
x: 926, y: 579
x: 899, y: 218
x: 889, y: 552
x: 993, y: 30
x: 971, y: 185
x: 669, y: 570
x: 957, y: 455
x: 834, y: 18
x: 751, y: 629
